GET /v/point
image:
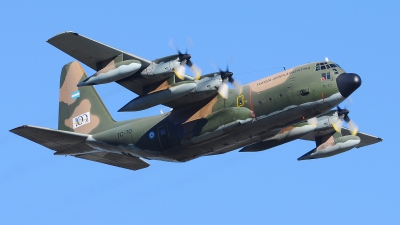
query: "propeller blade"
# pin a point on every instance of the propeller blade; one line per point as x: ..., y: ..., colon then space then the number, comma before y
x: 189, y: 63
x: 223, y: 90
x: 190, y: 42
x: 352, y: 127
x: 180, y: 71
x: 337, y: 125
x: 172, y: 45
x: 238, y: 87
x: 196, y: 71
x: 343, y: 113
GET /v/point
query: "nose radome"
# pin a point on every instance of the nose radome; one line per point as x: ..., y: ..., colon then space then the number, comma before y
x: 347, y: 83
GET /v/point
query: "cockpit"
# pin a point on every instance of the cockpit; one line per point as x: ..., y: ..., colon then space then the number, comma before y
x: 325, y: 65
x: 326, y: 69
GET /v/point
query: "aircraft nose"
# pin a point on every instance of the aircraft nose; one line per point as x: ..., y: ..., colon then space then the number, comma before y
x: 347, y: 83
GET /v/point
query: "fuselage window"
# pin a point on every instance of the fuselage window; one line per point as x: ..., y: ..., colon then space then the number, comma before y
x: 328, y: 75
x: 323, y: 76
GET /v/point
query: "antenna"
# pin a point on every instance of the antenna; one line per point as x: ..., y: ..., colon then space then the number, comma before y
x: 326, y: 59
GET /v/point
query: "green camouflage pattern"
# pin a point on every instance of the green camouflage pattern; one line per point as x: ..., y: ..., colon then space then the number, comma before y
x: 268, y: 112
x: 269, y: 104
x: 88, y: 101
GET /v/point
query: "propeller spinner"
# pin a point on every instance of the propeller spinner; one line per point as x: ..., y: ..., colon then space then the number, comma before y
x: 226, y: 77
x: 184, y: 59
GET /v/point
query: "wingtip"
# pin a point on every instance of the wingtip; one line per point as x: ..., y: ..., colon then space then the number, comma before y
x: 65, y: 32
x: 17, y: 128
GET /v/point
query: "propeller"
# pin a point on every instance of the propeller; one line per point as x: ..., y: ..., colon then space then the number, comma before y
x: 343, y: 115
x: 184, y: 59
x: 226, y: 77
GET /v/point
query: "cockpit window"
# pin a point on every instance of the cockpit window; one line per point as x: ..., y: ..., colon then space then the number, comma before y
x: 325, y: 65
x: 325, y: 76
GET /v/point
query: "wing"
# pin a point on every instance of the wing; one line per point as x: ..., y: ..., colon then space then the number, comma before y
x: 97, y: 55
x: 113, y: 159
x: 366, y: 139
x: 70, y: 143
x: 88, y: 51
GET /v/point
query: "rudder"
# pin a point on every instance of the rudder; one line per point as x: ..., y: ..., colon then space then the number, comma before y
x: 80, y: 108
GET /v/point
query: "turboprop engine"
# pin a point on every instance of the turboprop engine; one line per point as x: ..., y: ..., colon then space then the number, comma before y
x: 161, y: 67
x: 174, y: 64
x: 207, y: 86
x: 112, y: 72
x: 333, y: 143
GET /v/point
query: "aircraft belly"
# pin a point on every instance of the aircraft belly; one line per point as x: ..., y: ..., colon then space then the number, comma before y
x: 264, y: 126
x: 215, y: 134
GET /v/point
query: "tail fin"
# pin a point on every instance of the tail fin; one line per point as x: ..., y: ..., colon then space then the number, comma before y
x: 80, y: 109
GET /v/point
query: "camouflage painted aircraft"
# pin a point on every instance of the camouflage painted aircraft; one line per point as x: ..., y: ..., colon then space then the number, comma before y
x: 207, y: 118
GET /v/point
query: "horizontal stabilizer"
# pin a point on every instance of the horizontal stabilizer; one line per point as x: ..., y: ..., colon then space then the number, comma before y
x: 70, y: 143
x: 113, y: 159
x: 56, y: 140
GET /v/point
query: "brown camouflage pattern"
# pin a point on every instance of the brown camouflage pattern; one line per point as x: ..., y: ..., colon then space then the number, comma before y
x: 88, y: 101
x: 264, y: 113
x: 187, y: 123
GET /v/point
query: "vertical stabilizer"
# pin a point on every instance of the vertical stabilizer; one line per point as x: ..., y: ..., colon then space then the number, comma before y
x: 80, y: 108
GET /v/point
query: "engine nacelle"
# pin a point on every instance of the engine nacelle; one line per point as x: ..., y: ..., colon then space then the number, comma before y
x: 332, y: 146
x: 113, y: 72
x: 161, y: 67
x: 209, y: 82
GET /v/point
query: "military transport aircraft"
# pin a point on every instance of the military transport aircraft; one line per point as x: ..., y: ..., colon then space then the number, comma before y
x: 207, y: 118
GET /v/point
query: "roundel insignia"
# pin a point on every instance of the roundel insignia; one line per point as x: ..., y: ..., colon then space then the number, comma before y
x: 152, y: 134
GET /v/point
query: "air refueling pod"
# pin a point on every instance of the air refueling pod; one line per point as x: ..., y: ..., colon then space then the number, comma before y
x: 113, y: 72
x: 150, y: 100
x: 330, y: 145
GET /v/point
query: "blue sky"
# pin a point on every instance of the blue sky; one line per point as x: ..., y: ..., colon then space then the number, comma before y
x: 270, y: 187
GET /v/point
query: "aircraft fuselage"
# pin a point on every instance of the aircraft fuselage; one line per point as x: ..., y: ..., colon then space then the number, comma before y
x: 263, y: 109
